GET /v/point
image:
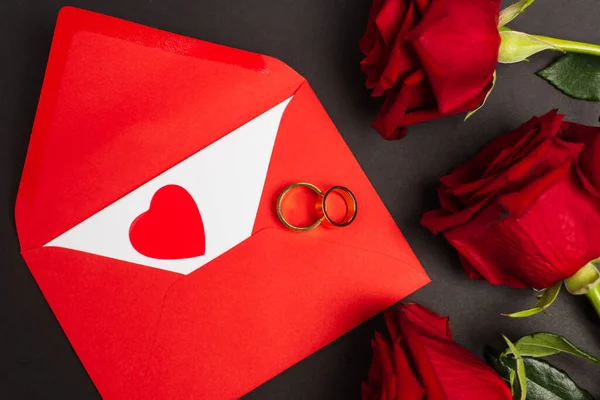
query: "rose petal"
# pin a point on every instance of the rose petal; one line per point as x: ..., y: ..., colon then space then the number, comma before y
x: 547, y: 243
x: 394, y: 109
x: 369, y: 392
x: 548, y: 155
x: 495, y: 154
x: 433, y: 12
x: 425, y: 320
x: 464, y: 240
x: 402, y: 60
x: 470, y: 270
x: 517, y: 202
x: 371, y: 35
x: 461, y: 374
x: 407, y: 384
x: 445, y: 369
x: 545, y: 127
x: 390, y: 19
x: 590, y: 156
x: 448, y: 201
x: 459, y: 52
x: 423, y: 5
x: 585, y: 182
x: 415, y: 116
x: 439, y: 220
x: 418, y: 353
x: 381, y: 373
x: 373, y: 64
x: 395, y: 115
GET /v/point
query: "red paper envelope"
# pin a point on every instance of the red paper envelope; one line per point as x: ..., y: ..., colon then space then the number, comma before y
x: 146, y: 213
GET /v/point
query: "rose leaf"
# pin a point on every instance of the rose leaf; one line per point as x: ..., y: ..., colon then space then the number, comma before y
x: 544, y: 344
x: 545, y: 301
x: 576, y: 75
x: 544, y: 381
x: 518, y: 380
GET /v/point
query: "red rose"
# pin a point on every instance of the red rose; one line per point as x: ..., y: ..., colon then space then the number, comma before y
x: 525, y: 211
x: 430, y: 58
x: 422, y: 362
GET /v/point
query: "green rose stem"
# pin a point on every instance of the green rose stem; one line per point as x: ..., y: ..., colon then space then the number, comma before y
x: 587, y: 281
x: 570, y: 46
x: 594, y: 296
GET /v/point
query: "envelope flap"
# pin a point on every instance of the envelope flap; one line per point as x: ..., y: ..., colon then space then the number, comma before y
x: 112, y: 86
x: 262, y: 307
x: 109, y: 310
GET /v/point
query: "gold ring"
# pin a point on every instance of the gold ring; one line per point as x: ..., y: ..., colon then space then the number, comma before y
x: 351, y: 207
x: 280, y: 201
x: 321, y: 207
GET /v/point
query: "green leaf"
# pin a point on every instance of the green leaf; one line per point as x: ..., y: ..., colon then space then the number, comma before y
x: 544, y: 381
x: 511, y: 12
x: 576, y: 75
x: 545, y: 301
x: 517, y: 46
x: 544, y: 344
x: 519, y: 379
x: 470, y: 114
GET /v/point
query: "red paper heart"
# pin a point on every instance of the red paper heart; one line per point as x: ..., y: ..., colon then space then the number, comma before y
x: 172, y: 227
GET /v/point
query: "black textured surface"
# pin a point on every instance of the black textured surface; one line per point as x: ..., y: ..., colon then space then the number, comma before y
x: 319, y: 39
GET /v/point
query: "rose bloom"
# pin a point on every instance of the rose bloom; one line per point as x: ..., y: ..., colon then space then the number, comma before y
x: 429, y: 58
x: 525, y: 211
x: 421, y: 361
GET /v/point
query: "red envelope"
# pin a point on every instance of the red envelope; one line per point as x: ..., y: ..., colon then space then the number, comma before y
x: 146, y: 214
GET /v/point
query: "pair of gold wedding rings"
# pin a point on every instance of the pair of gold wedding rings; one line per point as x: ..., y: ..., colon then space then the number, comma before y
x: 323, y: 217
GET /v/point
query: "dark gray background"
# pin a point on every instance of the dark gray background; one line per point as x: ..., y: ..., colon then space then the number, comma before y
x: 319, y: 39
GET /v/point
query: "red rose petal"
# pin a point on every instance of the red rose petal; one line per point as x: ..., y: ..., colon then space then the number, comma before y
x: 420, y: 357
x: 470, y: 270
x: 415, y: 116
x: 371, y: 35
x: 439, y: 221
x: 495, y: 154
x: 590, y: 157
x: 407, y: 384
x: 427, y: 364
x: 413, y: 104
x: 433, y: 13
x: 518, y: 201
x: 390, y: 117
x: 389, y: 19
x: 444, y: 368
x: 548, y: 155
x: 543, y: 128
x: 382, y: 372
x: 426, y: 321
x: 402, y: 59
x: 548, y: 243
x: 459, y: 371
x: 459, y: 52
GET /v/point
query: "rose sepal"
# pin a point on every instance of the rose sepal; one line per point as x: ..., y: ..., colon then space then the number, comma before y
x: 587, y: 282
x: 566, y: 73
